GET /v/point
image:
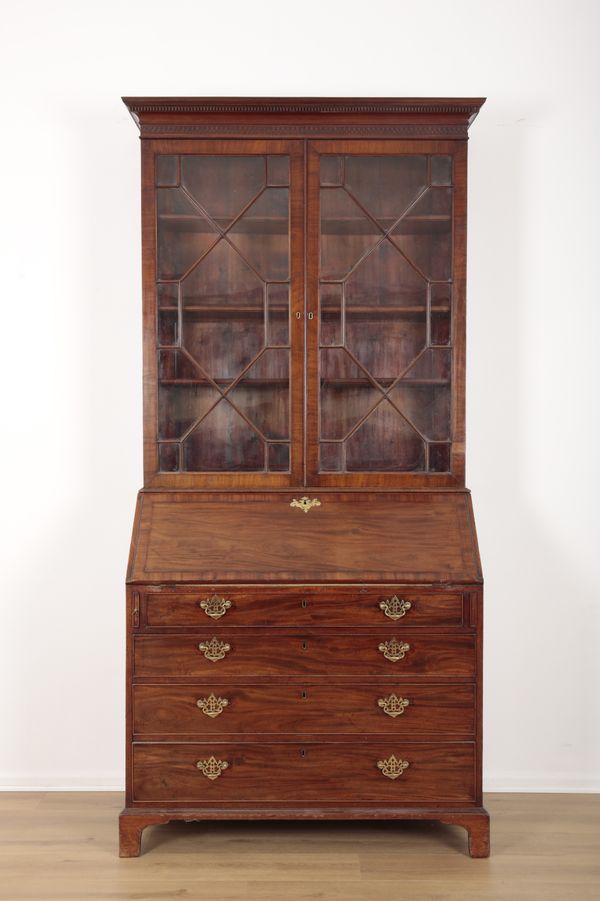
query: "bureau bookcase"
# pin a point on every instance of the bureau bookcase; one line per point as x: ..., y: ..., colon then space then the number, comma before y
x: 304, y: 591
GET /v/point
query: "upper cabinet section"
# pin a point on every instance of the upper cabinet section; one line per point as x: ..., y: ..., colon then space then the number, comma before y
x: 304, y: 301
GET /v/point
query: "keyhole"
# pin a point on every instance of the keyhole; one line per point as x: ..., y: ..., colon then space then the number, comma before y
x: 302, y: 753
x: 305, y: 604
x: 303, y: 695
x: 304, y: 645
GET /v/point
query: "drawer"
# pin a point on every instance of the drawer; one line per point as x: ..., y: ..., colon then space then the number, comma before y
x: 352, y: 605
x: 390, y: 706
x: 326, y: 652
x: 215, y: 772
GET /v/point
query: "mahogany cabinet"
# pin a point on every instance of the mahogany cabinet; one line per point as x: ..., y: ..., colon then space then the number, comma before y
x: 304, y: 591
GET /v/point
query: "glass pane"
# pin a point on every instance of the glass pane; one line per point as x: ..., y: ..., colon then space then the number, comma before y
x: 168, y: 457
x: 279, y: 457
x: 331, y: 315
x: 439, y: 458
x: 262, y: 235
x: 183, y: 235
x: 223, y: 442
x: 331, y: 170
x: 425, y: 234
x: 346, y: 394
x: 223, y: 185
x: 167, y: 171
x: 386, y: 185
x: 432, y: 365
x: 427, y: 407
x: 440, y: 314
x: 223, y: 298
x: 385, y: 442
x: 223, y: 280
x: 263, y: 395
x: 278, y: 315
x: 181, y: 404
x: 331, y: 457
x: 346, y: 233
x: 278, y: 170
x: 168, y: 295
x: 168, y: 328
x: 441, y: 170
x: 385, y: 313
x: 223, y: 343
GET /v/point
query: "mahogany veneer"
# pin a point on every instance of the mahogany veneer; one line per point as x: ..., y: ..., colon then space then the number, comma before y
x: 304, y: 591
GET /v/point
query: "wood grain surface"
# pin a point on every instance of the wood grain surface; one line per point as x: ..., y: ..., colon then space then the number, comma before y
x: 295, y: 652
x: 167, y: 710
x: 286, y: 605
x: 400, y: 537
x: 62, y: 846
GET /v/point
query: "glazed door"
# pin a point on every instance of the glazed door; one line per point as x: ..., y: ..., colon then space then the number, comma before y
x: 386, y: 257
x: 224, y: 302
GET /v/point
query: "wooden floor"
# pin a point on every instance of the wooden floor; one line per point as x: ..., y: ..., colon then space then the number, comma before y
x: 64, y: 846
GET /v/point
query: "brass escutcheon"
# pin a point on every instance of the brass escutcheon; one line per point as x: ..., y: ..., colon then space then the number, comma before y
x: 212, y: 768
x: 393, y: 766
x: 305, y: 503
x: 215, y: 606
x: 395, y: 607
x: 212, y: 706
x: 214, y: 649
x: 394, y: 650
x: 393, y: 705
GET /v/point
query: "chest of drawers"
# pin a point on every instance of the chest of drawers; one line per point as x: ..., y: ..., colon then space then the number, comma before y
x: 296, y: 699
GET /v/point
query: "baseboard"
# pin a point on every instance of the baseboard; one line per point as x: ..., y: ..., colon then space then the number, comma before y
x: 62, y: 784
x: 558, y: 783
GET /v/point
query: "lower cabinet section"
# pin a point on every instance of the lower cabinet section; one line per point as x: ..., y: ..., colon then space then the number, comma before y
x: 395, y: 772
x: 388, y: 706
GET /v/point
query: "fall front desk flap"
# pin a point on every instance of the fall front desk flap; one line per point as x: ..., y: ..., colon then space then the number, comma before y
x: 304, y: 536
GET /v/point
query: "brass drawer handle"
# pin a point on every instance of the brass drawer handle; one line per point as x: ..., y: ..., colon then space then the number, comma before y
x: 393, y: 705
x: 305, y: 503
x: 215, y: 606
x: 212, y: 768
x: 214, y: 649
x: 394, y: 650
x: 212, y: 706
x: 395, y: 607
x: 393, y: 766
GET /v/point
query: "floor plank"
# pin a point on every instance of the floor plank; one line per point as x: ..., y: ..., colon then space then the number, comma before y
x: 62, y: 846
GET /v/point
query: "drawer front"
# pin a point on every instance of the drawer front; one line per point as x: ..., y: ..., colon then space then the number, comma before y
x: 215, y: 772
x: 288, y: 606
x: 391, y: 707
x: 246, y: 652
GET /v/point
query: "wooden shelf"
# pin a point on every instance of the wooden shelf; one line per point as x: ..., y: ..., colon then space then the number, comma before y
x: 364, y: 310
x: 382, y: 381
x: 225, y: 382
x: 356, y: 383
x: 339, y: 225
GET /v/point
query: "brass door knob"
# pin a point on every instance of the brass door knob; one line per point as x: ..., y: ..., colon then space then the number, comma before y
x: 394, y: 650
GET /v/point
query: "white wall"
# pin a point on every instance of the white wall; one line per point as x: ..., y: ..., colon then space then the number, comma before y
x: 71, y: 367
